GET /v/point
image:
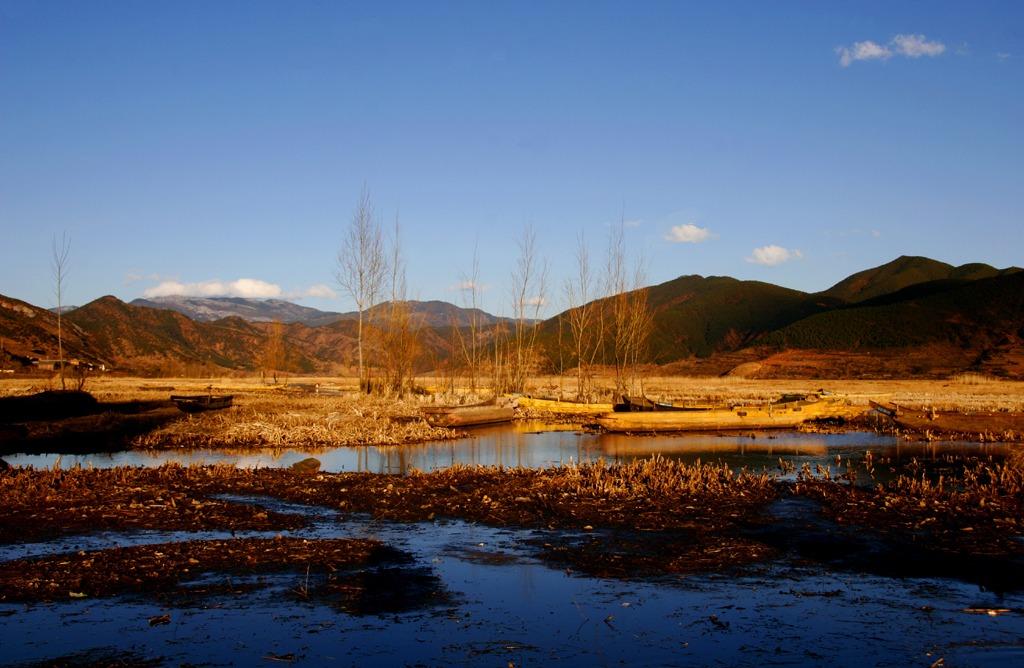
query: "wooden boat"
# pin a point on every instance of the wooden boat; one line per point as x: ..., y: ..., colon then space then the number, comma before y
x: 781, y: 415
x: 562, y: 407
x: 952, y: 422
x: 645, y: 405
x: 202, y: 402
x: 468, y: 416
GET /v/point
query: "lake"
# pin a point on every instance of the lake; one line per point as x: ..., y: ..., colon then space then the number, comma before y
x: 500, y: 605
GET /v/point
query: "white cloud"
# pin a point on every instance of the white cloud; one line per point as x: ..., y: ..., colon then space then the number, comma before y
x: 915, y: 46
x: 862, y: 51
x: 250, y: 288
x: 319, y: 291
x: 469, y: 286
x: 909, y: 46
x: 689, y: 234
x: 772, y: 255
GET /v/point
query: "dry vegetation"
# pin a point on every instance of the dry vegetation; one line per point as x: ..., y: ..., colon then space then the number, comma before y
x: 653, y: 516
x: 319, y: 413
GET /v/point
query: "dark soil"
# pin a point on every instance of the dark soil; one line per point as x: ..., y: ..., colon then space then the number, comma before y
x: 74, y: 422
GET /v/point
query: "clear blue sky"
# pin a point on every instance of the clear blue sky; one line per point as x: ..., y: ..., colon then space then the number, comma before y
x: 221, y: 147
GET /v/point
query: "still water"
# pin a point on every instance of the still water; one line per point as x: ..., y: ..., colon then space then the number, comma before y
x: 874, y: 457
x: 504, y: 606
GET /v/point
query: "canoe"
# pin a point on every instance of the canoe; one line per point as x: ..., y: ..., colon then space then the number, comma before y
x: 562, y: 407
x: 952, y: 422
x: 781, y: 415
x: 645, y: 405
x: 202, y: 402
x: 468, y: 416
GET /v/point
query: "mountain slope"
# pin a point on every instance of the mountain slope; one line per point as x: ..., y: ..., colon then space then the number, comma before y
x: 969, y: 317
x: 209, y: 309
x: 904, y: 272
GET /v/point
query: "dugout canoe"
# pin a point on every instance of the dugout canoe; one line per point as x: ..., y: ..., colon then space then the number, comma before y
x: 202, y: 402
x: 963, y: 423
x: 468, y: 416
x: 777, y: 415
x: 562, y: 407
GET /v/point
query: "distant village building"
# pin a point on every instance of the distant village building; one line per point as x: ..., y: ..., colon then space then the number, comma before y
x: 55, y: 365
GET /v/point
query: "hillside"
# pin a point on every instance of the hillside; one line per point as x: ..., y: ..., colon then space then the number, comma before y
x: 211, y: 309
x: 912, y: 316
x: 904, y: 272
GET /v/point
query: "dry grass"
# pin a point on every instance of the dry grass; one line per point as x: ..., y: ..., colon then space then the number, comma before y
x: 964, y: 392
x: 274, y: 417
x: 307, y: 421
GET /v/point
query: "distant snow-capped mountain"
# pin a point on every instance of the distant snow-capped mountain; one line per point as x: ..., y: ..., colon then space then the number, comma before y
x: 207, y: 309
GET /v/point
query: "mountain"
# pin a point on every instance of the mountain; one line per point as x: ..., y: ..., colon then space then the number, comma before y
x: 904, y: 272
x: 910, y: 317
x: 210, y: 309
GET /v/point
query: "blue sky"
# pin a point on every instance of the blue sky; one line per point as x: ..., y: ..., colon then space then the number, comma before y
x: 221, y: 147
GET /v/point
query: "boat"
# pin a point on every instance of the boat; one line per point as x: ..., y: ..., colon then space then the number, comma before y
x: 952, y: 422
x: 468, y: 416
x: 561, y: 407
x: 197, y: 403
x: 776, y: 415
x: 644, y: 405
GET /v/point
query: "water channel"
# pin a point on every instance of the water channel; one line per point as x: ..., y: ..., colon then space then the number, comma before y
x: 502, y: 606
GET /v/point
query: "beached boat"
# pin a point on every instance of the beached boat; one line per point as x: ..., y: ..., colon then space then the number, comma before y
x: 645, y: 405
x: 562, y: 407
x: 952, y: 422
x: 202, y: 402
x: 780, y: 415
x: 468, y: 416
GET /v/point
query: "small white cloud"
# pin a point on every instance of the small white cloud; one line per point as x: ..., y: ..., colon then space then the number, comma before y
x: 915, y: 46
x: 909, y: 46
x: 772, y: 255
x: 318, y: 291
x: 862, y: 51
x: 469, y: 286
x: 689, y: 234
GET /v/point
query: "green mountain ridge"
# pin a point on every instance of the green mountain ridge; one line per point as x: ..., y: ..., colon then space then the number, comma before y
x: 945, y: 318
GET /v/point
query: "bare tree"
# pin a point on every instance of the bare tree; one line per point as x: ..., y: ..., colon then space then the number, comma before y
x: 629, y: 319
x: 582, y: 316
x: 528, y: 292
x: 274, y: 351
x: 399, y: 346
x: 59, y: 270
x: 361, y: 270
x: 468, y: 339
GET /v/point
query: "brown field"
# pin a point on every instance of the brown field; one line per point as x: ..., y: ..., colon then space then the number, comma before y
x: 315, y: 413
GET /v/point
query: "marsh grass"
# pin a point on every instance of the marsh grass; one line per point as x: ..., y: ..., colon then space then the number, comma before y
x: 274, y: 420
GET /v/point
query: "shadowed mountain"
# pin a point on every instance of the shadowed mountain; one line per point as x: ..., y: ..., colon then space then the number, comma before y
x: 904, y: 272
x: 910, y: 316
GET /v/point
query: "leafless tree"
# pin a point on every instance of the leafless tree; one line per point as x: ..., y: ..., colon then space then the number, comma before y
x: 582, y: 317
x: 59, y: 270
x: 468, y: 339
x: 399, y: 346
x: 629, y: 319
x: 528, y: 292
x: 274, y: 351
x: 361, y: 271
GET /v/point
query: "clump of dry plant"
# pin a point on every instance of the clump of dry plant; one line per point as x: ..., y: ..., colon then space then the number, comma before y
x: 304, y: 421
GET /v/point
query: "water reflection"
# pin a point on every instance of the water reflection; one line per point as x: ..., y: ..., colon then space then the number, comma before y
x: 536, y: 445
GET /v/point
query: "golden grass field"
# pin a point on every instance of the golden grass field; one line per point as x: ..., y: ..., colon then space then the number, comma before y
x: 329, y: 412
